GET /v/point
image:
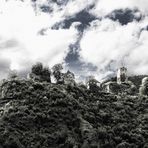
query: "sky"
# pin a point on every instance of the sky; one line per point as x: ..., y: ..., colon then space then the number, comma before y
x: 90, y: 37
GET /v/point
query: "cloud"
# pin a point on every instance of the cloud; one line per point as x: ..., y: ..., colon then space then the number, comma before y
x: 21, y: 42
x: 104, y: 36
x: 5, y: 44
x: 106, y: 41
x: 105, y: 7
x: 83, y: 17
x: 4, y: 67
x: 92, y: 37
x: 124, y: 16
x: 138, y: 59
x: 75, y: 6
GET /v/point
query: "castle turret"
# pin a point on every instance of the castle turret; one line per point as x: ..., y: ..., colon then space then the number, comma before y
x: 122, y: 75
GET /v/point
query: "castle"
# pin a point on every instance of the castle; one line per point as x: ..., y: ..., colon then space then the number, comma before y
x: 122, y: 75
x: 121, y: 85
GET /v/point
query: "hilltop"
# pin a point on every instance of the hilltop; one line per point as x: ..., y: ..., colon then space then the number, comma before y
x: 45, y: 115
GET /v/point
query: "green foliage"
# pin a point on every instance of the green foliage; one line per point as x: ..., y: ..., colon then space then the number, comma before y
x: 46, y: 115
x: 57, y: 67
x: 37, y: 68
x: 46, y: 74
x: 57, y: 73
x: 40, y: 73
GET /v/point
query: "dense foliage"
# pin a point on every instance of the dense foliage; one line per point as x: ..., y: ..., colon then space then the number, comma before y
x: 40, y: 73
x: 45, y: 115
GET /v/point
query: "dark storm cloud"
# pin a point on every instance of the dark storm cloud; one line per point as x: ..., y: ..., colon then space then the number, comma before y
x: 125, y: 16
x: 84, y: 17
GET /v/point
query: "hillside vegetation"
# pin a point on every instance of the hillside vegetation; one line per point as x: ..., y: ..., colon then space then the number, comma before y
x: 36, y: 113
x: 44, y: 115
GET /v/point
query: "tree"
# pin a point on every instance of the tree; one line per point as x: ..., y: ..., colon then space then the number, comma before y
x: 46, y: 73
x: 40, y: 73
x: 57, y: 67
x: 37, y: 68
x: 58, y: 74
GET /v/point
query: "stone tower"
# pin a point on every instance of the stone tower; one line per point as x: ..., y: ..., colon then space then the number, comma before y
x: 122, y: 75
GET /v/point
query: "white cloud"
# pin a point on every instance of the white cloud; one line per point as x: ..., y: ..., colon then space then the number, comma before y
x: 138, y: 59
x: 107, y: 41
x: 76, y: 6
x: 104, y: 41
x: 104, y: 7
x: 20, y: 41
x: 141, y: 4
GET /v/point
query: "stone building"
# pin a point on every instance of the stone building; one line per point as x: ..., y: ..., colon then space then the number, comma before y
x: 122, y: 85
x: 122, y: 75
x: 143, y: 90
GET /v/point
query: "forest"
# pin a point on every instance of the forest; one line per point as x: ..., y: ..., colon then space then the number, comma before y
x: 36, y: 113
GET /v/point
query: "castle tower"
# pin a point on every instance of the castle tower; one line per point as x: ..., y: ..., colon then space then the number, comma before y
x: 122, y: 75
